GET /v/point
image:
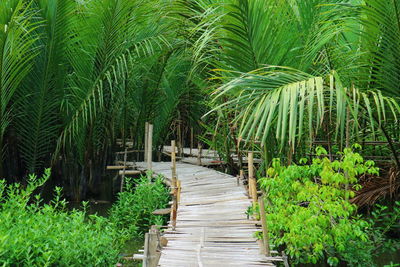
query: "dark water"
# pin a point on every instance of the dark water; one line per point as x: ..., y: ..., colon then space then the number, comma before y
x: 101, y: 205
x: 387, y: 258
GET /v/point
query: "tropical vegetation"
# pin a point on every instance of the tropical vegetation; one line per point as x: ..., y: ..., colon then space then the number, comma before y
x: 278, y: 77
x: 310, y: 215
x: 36, y: 233
x: 133, y: 210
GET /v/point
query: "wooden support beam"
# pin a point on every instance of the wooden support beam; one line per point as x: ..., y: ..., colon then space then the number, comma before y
x: 173, y: 163
x: 162, y: 212
x: 154, y: 253
x: 174, y: 184
x: 179, y: 188
x: 241, y: 177
x: 150, y: 148
x: 146, y: 140
x: 123, y: 171
x: 116, y: 167
x: 199, y: 152
x: 129, y: 172
x: 265, y: 233
x: 129, y: 151
x: 174, y: 211
x: 146, y: 250
x: 191, y: 141
x: 252, y: 178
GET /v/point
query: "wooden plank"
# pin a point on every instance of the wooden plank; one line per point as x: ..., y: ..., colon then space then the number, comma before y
x: 146, y: 140
x: 150, y: 148
x: 264, y: 227
x: 129, y: 172
x: 162, y: 212
x: 116, y: 167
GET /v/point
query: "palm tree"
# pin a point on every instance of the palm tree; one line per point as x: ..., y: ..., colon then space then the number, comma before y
x: 17, y: 50
x: 340, y: 65
x: 83, y: 73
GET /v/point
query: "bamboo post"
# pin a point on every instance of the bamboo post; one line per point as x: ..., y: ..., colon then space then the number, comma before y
x: 146, y: 250
x: 179, y: 188
x: 266, y: 247
x: 173, y: 163
x: 173, y: 186
x: 252, y: 179
x: 146, y: 140
x: 154, y: 254
x: 191, y: 141
x: 285, y: 259
x: 241, y: 177
x: 200, y: 150
x: 174, y: 210
x: 124, y: 170
x: 150, y: 148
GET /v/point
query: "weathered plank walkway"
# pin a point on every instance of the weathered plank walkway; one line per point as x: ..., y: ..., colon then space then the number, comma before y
x: 212, y: 227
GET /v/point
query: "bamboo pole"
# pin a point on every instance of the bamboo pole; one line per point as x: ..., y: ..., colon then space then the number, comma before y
x: 265, y: 233
x: 146, y: 250
x: 241, y: 176
x: 146, y: 140
x: 200, y: 150
x: 154, y: 253
x: 252, y: 179
x: 174, y: 186
x: 191, y: 141
x: 174, y: 210
x: 124, y: 170
x: 179, y: 188
x: 173, y: 163
x: 150, y: 148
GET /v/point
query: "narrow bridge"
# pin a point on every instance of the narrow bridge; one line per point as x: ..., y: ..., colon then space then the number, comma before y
x: 212, y: 228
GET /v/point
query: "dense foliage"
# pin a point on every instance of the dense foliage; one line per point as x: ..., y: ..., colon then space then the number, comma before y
x: 310, y: 216
x: 275, y: 77
x: 77, y: 75
x: 37, y: 234
x: 132, y: 212
x: 33, y: 233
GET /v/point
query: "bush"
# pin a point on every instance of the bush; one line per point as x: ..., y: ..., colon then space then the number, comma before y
x: 132, y: 213
x: 309, y: 213
x: 37, y: 234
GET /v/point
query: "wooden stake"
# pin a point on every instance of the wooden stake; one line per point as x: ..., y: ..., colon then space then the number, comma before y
x: 252, y: 179
x: 191, y: 141
x: 154, y: 253
x: 146, y: 140
x: 200, y: 150
x: 264, y: 227
x: 178, y: 197
x: 146, y: 250
x: 173, y: 161
x: 124, y: 170
x: 150, y: 148
x: 174, y: 184
x: 241, y: 177
x: 174, y: 211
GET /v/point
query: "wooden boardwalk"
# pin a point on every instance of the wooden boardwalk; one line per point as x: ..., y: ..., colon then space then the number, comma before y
x: 212, y: 227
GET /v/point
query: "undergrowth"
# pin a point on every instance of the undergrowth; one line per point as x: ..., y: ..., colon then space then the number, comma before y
x: 33, y: 233
x: 310, y: 215
x: 132, y: 212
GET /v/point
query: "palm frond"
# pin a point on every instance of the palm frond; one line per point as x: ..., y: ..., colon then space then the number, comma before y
x: 288, y: 99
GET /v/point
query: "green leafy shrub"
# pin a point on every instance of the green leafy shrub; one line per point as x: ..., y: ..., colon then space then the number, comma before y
x: 309, y: 213
x: 37, y: 234
x: 132, y: 213
x: 384, y: 220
